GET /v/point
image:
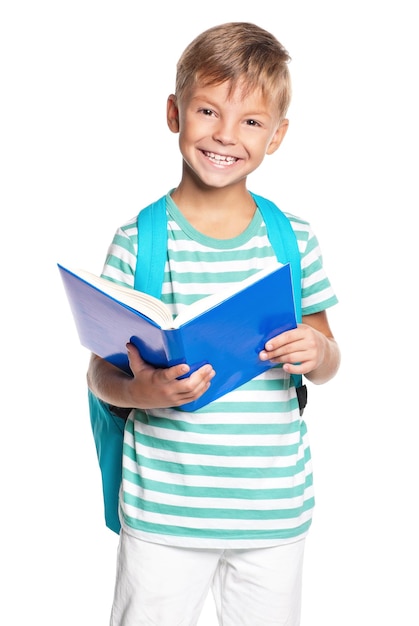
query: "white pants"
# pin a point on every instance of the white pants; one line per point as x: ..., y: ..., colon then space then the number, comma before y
x: 159, y: 585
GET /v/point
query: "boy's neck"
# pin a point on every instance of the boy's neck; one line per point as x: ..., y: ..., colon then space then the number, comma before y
x: 219, y: 213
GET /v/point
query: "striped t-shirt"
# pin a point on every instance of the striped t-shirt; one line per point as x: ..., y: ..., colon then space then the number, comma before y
x: 236, y: 473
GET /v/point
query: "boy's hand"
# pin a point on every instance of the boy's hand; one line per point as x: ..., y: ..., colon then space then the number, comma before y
x: 152, y: 387
x: 300, y: 350
x: 309, y: 349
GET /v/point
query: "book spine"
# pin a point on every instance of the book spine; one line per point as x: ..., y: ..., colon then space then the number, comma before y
x: 178, y: 354
x: 175, y: 347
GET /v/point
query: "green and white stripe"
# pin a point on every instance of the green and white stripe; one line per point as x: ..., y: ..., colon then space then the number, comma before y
x: 236, y: 473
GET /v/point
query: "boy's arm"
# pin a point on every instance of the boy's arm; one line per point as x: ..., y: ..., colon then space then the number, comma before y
x: 311, y: 345
x: 149, y: 387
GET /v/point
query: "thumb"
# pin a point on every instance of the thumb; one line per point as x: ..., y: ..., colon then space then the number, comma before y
x: 135, y: 361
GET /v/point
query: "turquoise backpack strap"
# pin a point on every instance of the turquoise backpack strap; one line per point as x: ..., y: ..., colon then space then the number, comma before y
x: 284, y: 242
x: 152, y: 249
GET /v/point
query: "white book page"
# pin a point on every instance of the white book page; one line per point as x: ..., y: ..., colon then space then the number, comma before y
x: 157, y: 310
x: 142, y: 302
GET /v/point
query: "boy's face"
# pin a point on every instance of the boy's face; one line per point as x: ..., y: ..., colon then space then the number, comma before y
x: 224, y: 137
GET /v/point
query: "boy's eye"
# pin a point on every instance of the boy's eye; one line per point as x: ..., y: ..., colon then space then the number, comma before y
x: 207, y: 111
x: 252, y: 123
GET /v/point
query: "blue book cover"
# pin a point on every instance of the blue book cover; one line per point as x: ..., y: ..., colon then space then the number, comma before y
x: 227, y: 330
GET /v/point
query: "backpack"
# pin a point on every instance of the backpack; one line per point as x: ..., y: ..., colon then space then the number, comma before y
x: 108, y: 421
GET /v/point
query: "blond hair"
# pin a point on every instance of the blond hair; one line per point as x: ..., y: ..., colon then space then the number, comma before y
x: 237, y: 53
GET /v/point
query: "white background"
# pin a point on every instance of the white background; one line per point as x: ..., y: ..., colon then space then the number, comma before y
x: 84, y: 145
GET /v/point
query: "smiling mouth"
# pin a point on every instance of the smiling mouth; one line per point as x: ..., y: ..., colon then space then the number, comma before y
x: 219, y: 159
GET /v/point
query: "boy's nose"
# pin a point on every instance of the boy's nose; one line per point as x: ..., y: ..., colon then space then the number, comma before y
x: 225, y: 133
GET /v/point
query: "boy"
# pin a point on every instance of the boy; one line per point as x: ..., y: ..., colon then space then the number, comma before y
x: 221, y: 496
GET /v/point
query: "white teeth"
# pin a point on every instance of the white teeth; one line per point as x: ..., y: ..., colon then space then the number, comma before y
x: 219, y: 158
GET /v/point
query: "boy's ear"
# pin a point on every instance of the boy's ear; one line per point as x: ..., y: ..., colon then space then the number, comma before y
x: 172, y: 114
x: 278, y: 137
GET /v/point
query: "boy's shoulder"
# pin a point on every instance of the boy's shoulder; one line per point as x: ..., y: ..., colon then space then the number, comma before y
x: 298, y: 223
x: 295, y: 219
x: 300, y: 226
x: 129, y: 225
x: 302, y: 229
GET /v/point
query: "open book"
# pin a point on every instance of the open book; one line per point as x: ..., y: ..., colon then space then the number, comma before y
x: 227, y: 329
